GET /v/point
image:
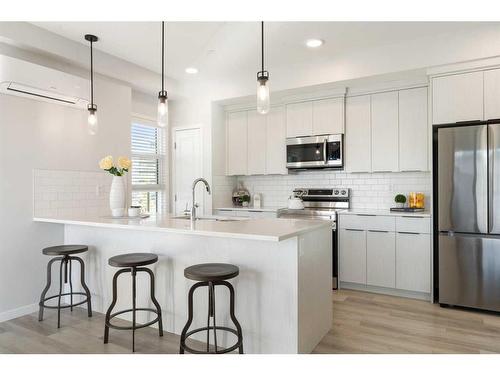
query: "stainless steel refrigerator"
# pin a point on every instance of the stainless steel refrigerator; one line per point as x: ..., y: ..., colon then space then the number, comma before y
x: 467, y: 173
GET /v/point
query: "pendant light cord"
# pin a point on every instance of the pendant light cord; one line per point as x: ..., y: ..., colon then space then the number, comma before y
x: 162, y: 55
x: 262, y: 44
x: 91, y: 75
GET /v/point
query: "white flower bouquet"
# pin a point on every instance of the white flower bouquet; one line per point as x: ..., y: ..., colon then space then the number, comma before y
x: 123, y: 165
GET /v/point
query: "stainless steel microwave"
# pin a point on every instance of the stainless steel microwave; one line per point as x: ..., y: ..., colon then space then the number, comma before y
x: 322, y: 151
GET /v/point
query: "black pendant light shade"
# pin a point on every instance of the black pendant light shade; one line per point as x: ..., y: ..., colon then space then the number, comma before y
x: 162, y: 95
x: 92, y: 122
x: 263, y: 99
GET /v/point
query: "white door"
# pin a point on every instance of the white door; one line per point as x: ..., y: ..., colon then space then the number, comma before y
x: 236, y: 143
x: 256, y: 133
x: 357, y: 142
x: 328, y: 116
x: 457, y: 98
x: 384, y: 120
x: 276, y: 142
x: 188, y: 166
x: 381, y: 259
x: 352, y: 256
x: 413, y: 262
x: 299, y: 119
x: 492, y: 94
x: 413, y: 130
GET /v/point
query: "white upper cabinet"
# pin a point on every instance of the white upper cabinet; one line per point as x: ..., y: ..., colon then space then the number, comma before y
x: 457, y: 98
x: 413, y: 130
x: 276, y: 141
x: 328, y: 116
x: 492, y: 94
x: 236, y: 143
x: 299, y: 119
x: 384, y: 120
x: 357, y: 140
x: 257, y: 135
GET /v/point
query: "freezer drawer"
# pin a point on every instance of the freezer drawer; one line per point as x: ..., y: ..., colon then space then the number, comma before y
x: 469, y: 271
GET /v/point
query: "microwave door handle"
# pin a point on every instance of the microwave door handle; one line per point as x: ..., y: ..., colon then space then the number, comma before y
x: 324, y: 151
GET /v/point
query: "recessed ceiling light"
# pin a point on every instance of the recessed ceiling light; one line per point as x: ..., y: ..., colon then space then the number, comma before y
x: 191, y: 70
x: 314, y: 43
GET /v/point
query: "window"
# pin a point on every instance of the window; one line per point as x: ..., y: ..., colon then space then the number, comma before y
x: 148, y: 161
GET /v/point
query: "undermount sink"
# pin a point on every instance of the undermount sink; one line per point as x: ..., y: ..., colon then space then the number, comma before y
x: 184, y: 217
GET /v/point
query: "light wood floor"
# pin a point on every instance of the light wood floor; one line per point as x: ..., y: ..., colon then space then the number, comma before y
x: 362, y: 323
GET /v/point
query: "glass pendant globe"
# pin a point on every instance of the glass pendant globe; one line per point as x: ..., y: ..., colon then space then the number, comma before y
x: 92, y: 123
x: 263, y: 99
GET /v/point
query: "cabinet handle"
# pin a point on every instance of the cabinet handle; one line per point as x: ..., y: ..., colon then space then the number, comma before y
x: 409, y: 233
x: 355, y: 230
x: 255, y: 211
x: 365, y: 215
x: 378, y: 231
x: 413, y: 217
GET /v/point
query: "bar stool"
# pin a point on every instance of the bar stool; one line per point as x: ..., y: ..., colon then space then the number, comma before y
x: 211, y: 275
x: 64, y: 254
x: 133, y: 263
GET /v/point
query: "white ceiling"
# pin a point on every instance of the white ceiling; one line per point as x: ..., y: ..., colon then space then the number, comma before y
x: 222, y: 47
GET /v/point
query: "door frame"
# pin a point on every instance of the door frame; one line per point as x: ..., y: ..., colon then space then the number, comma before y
x: 173, y: 139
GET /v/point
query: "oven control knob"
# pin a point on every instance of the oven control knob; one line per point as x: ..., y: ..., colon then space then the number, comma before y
x: 336, y: 192
x: 343, y: 192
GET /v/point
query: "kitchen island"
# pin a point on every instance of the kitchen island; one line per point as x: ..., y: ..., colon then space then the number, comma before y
x: 283, y: 292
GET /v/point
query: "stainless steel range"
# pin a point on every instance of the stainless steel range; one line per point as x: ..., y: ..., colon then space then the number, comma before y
x: 322, y: 204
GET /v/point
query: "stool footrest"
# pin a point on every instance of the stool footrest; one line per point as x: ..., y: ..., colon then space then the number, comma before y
x: 222, y: 351
x: 137, y: 326
x: 42, y: 303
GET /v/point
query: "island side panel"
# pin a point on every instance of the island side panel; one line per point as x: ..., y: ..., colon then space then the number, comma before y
x: 315, y: 287
x: 266, y: 289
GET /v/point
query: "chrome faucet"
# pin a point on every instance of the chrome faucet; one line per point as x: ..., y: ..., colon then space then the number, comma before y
x: 195, y: 205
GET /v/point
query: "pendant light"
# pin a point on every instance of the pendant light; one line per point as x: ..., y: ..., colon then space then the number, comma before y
x: 162, y: 95
x: 263, y: 100
x: 93, y: 126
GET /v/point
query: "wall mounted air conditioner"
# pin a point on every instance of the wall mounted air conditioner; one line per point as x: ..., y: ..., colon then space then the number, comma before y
x: 22, y: 78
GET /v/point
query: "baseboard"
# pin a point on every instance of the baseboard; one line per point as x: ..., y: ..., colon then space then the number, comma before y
x: 17, y: 312
x: 389, y: 291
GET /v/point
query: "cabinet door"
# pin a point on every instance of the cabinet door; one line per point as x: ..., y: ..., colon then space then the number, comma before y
x: 256, y: 153
x: 357, y: 142
x: 381, y: 259
x: 276, y: 142
x: 492, y: 94
x: 384, y: 135
x: 413, y: 262
x: 457, y: 98
x: 299, y: 119
x: 328, y: 116
x: 413, y: 130
x: 352, y: 254
x: 236, y: 143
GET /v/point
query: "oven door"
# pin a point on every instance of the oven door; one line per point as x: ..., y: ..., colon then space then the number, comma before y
x: 323, y: 151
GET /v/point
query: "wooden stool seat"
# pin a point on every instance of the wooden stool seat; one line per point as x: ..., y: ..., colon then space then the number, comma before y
x: 133, y: 260
x: 65, y: 249
x: 211, y: 272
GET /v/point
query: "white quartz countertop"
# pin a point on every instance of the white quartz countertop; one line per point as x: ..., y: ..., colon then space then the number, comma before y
x: 258, y: 209
x: 387, y: 212
x: 253, y: 229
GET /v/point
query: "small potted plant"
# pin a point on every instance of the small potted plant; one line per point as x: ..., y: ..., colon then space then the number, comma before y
x: 400, y: 200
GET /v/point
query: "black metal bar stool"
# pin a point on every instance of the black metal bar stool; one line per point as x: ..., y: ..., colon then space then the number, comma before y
x: 133, y: 263
x: 64, y: 254
x: 211, y: 275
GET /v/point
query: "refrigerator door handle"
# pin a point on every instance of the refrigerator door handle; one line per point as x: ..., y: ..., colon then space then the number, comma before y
x: 493, y: 192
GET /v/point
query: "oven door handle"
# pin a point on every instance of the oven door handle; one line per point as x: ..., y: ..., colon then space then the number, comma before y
x: 325, y: 141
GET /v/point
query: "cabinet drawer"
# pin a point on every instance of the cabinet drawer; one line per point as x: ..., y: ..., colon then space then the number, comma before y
x: 367, y: 222
x: 225, y: 212
x: 413, y: 224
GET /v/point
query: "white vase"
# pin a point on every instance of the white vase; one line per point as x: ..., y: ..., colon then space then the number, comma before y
x: 117, y: 197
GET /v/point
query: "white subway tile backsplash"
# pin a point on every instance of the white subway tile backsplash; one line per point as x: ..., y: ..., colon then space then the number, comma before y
x: 63, y: 192
x: 369, y: 190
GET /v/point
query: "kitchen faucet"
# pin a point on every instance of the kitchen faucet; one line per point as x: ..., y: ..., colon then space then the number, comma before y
x: 195, y: 205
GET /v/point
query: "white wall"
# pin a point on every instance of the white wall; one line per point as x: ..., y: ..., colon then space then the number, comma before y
x: 39, y: 135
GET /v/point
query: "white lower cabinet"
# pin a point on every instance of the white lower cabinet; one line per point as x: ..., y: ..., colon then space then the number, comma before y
x: 385, y: 251
x: 413, y: 258
x: 352, y: 256
x: 381, y: 258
